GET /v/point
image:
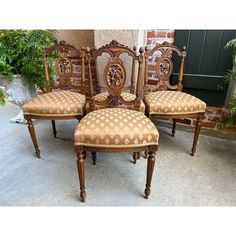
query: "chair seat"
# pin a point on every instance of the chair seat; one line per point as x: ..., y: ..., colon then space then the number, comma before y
x: 173, y: 103
x: 126, y: 96
x: 116, y: 128
x: 58, y: 103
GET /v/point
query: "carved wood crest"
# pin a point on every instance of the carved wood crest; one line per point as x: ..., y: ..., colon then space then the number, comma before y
x: 64, y: 67
x: 115, y: 75
x: 164, y: 68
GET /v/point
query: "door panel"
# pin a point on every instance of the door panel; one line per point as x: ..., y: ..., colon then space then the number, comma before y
x: 206, y: 62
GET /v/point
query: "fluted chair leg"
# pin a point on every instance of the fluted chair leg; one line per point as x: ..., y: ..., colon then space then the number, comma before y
x: 150, y: 168
x: 196, y: 134
x: 80, y: 165
x: 33, y: 136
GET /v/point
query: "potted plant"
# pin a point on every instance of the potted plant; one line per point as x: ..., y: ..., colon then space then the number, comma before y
x: 21, y: 63
x: 230, y: 75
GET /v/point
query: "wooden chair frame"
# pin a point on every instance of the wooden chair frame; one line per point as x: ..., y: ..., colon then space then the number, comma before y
x: 70, y: 55
x: 115, y: 49
x: 132, y: 53
x: 114, y: 77
x: 163, y: 74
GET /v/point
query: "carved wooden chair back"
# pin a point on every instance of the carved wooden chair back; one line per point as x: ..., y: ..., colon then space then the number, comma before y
x: 115, y: 76
x: 162, y: 56
x: 69, y: 68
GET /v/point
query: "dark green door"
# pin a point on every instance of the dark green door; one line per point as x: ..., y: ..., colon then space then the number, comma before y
x: 206, y: 62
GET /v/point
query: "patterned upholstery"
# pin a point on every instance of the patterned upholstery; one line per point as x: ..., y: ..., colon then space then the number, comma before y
x: 126, y: 96
x: 116, y: 127
x: 173, y: 102
x: 60, y: 103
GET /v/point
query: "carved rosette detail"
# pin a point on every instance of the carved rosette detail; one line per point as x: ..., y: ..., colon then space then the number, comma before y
x: 164, y: 68
x: 115, y: 75
x: 114, y: 101
x: 64, y: 67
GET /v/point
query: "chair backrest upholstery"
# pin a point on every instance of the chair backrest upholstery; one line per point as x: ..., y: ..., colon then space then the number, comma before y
x: 69, y: 68
x: 114, y: 75
x: 163, y: 66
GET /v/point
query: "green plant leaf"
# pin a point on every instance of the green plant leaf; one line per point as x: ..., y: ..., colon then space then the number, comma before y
x: 21, y: 53
x: 2, y: 98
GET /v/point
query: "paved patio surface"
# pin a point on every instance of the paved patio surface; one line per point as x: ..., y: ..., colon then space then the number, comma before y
x: 208, y: 179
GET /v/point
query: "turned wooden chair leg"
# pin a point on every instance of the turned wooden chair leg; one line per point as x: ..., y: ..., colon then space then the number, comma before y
x: 80, y: 165
x: 173, y: 127
x: 150, y: 168
x: 33, y: 137
x: 146, y: 154
x: 94, y: 158
x: 54, y: 128
x: 196, y: 134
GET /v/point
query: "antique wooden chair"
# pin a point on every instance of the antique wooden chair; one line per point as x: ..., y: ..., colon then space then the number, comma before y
x: 128, y: 90
x: 116, y: 128
x: 164, y: 100
x: 64, y: 97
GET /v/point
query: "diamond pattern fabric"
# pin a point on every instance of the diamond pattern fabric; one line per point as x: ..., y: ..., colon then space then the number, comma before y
x: 173, y: 103
x: 60, y: 103
x: 116, y: 127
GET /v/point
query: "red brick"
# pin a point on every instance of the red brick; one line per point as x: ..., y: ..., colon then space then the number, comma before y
x: 231, y: 129
x: 210, y: 125
x: 171, y: 35
x: 160, y: 34
x: 151, y: 34
x: 152, y: 67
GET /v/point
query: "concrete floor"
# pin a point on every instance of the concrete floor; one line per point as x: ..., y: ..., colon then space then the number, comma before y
x: 208, y: 179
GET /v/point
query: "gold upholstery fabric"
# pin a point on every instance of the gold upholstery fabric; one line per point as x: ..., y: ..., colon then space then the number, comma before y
x: 126, y: 96
x: 173, y: 103
x: 60, y: 103
x: 116, y: 127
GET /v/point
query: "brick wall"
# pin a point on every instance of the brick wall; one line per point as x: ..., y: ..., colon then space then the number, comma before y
x: 156, y: 38
x: 213, y: 115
